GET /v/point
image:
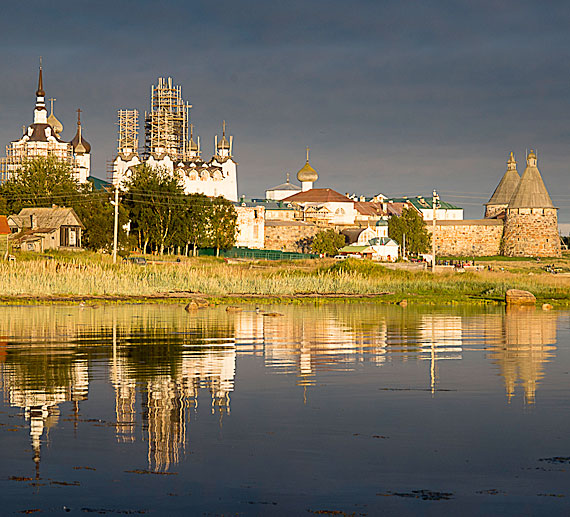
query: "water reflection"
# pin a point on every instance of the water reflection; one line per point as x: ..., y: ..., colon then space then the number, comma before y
x: 522, y: 344
x: 161, y: 361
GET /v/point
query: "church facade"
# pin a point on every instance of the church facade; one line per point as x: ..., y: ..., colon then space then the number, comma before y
x: 170, y: 145
x: 43, y: 138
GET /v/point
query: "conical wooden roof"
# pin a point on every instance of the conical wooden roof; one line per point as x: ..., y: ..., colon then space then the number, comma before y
x: 531, y: 192
x: 507, y: 186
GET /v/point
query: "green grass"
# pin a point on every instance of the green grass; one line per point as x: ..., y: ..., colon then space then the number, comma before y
x: 76, y: 275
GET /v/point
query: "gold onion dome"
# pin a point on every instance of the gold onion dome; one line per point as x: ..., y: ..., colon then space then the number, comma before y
x: 55, y: 124
x: 307, y: 174
x: 531, y: 155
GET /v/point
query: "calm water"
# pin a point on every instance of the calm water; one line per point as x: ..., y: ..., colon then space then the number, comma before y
x: 355, y: 408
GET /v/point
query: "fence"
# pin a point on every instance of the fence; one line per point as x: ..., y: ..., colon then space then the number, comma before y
x: 256, y: 254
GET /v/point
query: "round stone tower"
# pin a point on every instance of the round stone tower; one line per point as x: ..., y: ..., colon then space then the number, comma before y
x: 531, y: 221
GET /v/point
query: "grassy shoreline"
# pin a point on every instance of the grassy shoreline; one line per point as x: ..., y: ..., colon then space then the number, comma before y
x: 90, y: 277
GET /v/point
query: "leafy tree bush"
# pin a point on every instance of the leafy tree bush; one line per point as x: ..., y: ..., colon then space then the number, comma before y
x: 327, y: 242
x: 222, y: 225
x: 41, y: 182
x: 418, y: 240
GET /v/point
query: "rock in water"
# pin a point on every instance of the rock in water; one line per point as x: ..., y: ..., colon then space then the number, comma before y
x: 201, y: 302
x: 546, y: 307
x: 192, y: 306
x: 519, y: 297
x: 403, y: 303
x: 233, y: 308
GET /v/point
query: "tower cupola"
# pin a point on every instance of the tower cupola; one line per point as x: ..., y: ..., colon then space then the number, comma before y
x: 80, y: 145
x: 40, y: 111
x: 307, y: 175
x: 54, y: 122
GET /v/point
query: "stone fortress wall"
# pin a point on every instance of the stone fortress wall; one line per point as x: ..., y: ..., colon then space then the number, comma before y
x: 468, y: 238
x: 520, y: 220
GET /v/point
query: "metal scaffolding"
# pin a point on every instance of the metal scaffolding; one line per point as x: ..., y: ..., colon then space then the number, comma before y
x: 17, y: 154
x: 128, y: 137
x: 166, y: 125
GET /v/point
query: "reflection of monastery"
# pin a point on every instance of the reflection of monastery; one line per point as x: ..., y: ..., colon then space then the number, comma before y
x: 158, y: 381
x: 65, y: 380
x: 166, y: 400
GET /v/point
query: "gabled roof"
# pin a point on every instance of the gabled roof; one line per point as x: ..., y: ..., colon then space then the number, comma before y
x: 285, y: 186
x: 46, y: 217
x: 318, y: 195
x: 531, y: 191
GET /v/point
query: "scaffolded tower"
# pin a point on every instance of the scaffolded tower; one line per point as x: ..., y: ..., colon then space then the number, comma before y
x: 166, y: 125
x: 128, y: 138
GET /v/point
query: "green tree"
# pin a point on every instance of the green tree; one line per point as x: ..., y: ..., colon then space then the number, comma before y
x: 222, y: 224
x: 98, y: 216
x: 41, y: 181
x: 155, y: 203
x: 195, y: 222
x: 412, y: 225
x: 327, y: 242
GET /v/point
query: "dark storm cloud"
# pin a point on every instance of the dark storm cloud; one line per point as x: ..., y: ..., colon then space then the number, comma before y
x: 391, y: 96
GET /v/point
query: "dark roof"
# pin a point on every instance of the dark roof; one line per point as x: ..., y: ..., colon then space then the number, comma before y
x: 4, y: 227
x: 531, y: 191
x: 99, y: 184
x: 75, y: 142
x: 39, y: 133
x: 352, y: 234
x: 318, y: 195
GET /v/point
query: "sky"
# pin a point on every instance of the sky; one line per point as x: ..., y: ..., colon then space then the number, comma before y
x: 398, y: 97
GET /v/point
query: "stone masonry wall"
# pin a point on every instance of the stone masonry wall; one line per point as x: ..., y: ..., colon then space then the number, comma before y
x: 531, y: 232
x: 285, y: 236
x: 476, y: 237
x: 494, y: 210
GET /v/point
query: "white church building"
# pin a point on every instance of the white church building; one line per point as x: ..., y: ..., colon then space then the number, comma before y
x: 43, y: 138
x: 170, y: 145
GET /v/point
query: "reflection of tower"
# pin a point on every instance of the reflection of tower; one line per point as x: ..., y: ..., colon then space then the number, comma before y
x: 167, y: 399
x: 41, y: 403
x: 440, y: 338
x: 525, y: 345
x: 165, y: 417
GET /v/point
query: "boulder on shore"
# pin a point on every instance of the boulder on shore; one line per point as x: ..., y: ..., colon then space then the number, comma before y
x: 192, y: 306
x: 519, y: 297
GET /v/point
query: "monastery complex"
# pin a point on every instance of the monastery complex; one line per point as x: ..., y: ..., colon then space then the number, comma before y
x: 520, y: 218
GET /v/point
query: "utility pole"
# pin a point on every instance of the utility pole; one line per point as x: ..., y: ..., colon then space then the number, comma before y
x: 116, y: 229
x: 435, y: 202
